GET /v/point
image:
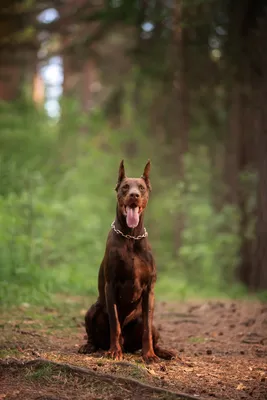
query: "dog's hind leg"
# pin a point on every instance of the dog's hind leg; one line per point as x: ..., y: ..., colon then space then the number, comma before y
x: 91, y: 318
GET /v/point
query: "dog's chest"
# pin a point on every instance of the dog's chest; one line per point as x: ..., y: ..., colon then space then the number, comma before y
x: 134, y: 265
x: 133, y: 272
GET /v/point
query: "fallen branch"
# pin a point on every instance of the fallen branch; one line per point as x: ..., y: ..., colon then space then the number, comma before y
x: 96, y: 375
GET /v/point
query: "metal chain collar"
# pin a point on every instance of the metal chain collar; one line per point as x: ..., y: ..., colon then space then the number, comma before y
x: 145, y: 234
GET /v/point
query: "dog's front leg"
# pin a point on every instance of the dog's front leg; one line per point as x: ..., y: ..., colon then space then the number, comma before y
x: 148, y: 310
x: 115, y: 350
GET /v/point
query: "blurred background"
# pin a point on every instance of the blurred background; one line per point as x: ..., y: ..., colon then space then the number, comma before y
x: 85, y: 83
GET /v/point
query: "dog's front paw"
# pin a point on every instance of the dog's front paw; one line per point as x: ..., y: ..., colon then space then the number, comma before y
x: 87, y: 348
x: 150, y: 357
x: 115, y: 353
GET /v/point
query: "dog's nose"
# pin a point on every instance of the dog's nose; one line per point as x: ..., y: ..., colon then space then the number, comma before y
x: 134, y: 195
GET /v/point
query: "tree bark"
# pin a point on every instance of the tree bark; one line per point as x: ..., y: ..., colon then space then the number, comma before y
x: 232, y: 153
x: 258, y: 279
x: 180, y: 112
x: 259, y: 273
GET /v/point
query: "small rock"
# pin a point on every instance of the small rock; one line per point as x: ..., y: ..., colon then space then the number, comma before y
x: 263, y: 379
x: 242, y: 352
x: 181, y: 350
x: 209, y: 352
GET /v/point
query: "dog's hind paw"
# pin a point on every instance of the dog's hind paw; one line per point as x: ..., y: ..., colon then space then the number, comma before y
x: 150, y: 358
x: 87, y: 348
x: 164, y: 353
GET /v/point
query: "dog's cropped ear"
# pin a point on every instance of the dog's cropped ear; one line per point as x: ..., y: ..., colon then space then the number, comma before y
x: 145, y: 175
x: 121, y: 175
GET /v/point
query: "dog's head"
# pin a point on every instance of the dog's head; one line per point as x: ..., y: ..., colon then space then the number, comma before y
x: 133, y: 194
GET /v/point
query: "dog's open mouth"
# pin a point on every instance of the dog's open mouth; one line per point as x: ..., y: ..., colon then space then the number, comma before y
x: 132, y: 215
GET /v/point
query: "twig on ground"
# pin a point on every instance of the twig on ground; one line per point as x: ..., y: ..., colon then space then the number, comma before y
x: 27, y: 333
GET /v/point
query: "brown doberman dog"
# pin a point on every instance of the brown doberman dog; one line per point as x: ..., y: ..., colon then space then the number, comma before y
x: 122, y: 317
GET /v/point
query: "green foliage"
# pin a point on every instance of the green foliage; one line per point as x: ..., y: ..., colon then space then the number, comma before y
x: 208, y: 256
x: 57, y: 201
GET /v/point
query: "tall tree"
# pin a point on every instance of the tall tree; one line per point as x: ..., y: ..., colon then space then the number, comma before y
x: 259, y: 67
x: 179, y: 107
x: 18, y: 48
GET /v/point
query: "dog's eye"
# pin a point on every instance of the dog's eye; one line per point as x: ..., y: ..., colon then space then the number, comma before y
x: 125, y: 187
x: 141, y: 188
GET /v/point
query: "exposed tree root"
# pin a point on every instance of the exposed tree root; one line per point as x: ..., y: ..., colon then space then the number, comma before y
x: 111, y: 379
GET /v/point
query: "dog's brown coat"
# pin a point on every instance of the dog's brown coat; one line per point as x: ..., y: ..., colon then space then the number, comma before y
x: 122, y: 317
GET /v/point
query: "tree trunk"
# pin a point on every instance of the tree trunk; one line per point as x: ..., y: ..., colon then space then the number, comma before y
x: 232, y: 153
x: 17, y: 59
x: 180, y: 113
x: 258, y: 280
x: 259, y: 273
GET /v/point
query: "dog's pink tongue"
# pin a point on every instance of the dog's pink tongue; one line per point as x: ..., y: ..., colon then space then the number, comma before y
x: 132, y: 217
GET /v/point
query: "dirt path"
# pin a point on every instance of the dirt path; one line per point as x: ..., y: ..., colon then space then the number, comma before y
x: 222, y: 348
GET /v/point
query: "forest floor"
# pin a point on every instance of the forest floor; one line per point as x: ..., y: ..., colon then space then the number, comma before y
x: 221, y: 347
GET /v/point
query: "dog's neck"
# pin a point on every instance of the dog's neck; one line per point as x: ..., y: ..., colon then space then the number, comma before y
x: 120, y: 223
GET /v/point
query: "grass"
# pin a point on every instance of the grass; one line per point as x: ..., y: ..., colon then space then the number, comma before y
x: 4, y: 353
x: 167, y: 289
x: 41, y: 372
x: 197, y: 339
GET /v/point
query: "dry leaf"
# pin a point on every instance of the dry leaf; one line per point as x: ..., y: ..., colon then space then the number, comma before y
x: 151, y: 372
x: 240, y: 386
